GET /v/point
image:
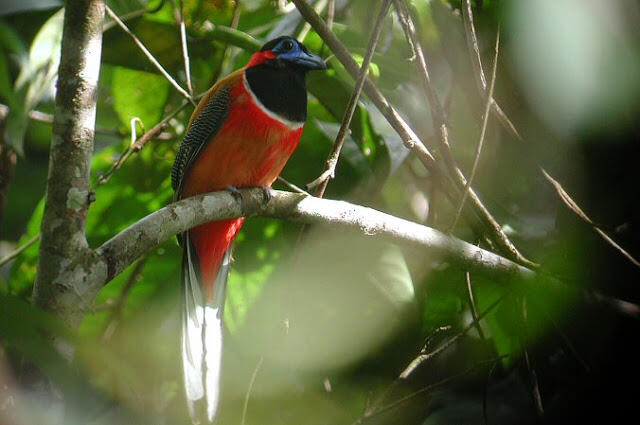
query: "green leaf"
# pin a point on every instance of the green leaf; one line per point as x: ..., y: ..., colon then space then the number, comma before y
x: 139, y: 94
x: 36, y: 78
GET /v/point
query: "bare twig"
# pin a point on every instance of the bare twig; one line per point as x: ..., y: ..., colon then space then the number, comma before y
x: 472, y: 305
x: 504, y: 120
x: 485, y: 392
x: 233, y: 25
x: 437, y: 114
x: 292, y: 186
x: 4, y: 260
x: 185, y: 48
x: 476, y: 63
x: 245, y: 406
x: 139, y: 144
x: 149, y: 56
x: 304, y: 31
x: 408, y: 136
x: 372, y: 412
x: 485, y: 120
x: 330, y: 166
x: 331, y: 12
x: 116, y: 306
x: 573, y: 206
x: 472, y: 45
x: 535, y: 388
x: 132, y: 15
x: 423, y: 357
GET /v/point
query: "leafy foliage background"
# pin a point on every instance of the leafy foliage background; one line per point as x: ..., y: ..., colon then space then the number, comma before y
x: 327, y: 325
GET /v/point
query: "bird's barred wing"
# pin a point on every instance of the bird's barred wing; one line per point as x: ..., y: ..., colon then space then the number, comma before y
x: 206, y: 124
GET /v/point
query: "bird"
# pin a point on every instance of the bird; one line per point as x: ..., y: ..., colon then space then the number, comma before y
x: 241, y: 134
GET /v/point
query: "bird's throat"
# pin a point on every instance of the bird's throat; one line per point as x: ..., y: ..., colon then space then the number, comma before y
x: 282, y: 91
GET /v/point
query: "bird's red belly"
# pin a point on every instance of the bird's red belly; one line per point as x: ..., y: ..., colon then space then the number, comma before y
x: 251, y: 149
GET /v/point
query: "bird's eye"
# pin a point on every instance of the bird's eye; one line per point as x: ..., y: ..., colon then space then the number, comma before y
x: 287, y: 45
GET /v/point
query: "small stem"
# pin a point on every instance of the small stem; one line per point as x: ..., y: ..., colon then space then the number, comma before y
x: 245, y: 406
x: 149, y: 56
x: 138, y: 144
x: 472, y: 305
x: 448, y: 343
x: 185, y: 49
x: 332, y: 160
x: 485, y: 121
x: 19, y: 250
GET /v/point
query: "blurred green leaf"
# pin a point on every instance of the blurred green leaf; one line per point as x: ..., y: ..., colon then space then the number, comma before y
x: 23, y: 270
x: 19, y: 6
x: 25, y: 328
x: 35, y: 79
x: 139, y: 94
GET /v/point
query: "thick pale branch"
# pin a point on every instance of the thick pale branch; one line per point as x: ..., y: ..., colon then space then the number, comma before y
x: 123, y: 249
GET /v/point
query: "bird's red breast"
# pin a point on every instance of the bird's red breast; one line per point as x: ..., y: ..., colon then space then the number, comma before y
x: 250, y: 149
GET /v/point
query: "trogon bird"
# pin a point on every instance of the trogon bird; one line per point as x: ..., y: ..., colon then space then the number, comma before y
x: 241, y: 134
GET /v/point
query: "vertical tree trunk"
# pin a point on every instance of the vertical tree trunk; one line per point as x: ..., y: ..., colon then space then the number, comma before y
x: 66, y: 263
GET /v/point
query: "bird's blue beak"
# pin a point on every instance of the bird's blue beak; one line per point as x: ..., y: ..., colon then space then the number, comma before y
x: 304, y: 59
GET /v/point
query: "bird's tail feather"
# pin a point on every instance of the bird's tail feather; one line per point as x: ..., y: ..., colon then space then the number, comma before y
x: 202, y: 335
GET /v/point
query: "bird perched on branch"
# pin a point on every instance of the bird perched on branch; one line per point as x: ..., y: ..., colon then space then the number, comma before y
x: 241, y: 134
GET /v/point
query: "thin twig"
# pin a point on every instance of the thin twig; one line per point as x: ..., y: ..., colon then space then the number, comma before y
x: 185, y: 48
x: 573, y: 206
x: 423, y: 357
x: 485, y: 393
x: 332, y: 160
x: 472, y: 305
x: 535, y: 388
x: 304, y: 31
x: 235, y: 20
x: 370, y: 412
x: 139, y: 144
x: 149, y: 56
x: 133, y: 14
x: 117, y: 306
x: 408, y: 136
x: 472, y: 45
x: 19, y: 250
x: 485, y: 121
x: 437, y: 114
x: 504, y: 120
x: 248, y: 394
x: 331, y: 12
x: 476, y: 63
x: 292, y: 186
x: 400, y: 378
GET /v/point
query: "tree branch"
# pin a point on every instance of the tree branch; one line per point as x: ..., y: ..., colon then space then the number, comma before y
x: 123, y: 249
x: 64, y: 253
x: 409, y: 138
x: 130, y: 244
x: 320, y: 184
x: 440, y: 124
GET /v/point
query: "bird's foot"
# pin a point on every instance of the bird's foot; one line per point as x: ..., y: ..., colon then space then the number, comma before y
x: 266, y: 194
x: 235, y: 192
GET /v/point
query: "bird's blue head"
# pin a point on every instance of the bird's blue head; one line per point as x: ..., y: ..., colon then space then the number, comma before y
x: 287, y: 51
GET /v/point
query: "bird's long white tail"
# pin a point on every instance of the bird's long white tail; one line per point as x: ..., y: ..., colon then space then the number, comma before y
x: 202, y: 336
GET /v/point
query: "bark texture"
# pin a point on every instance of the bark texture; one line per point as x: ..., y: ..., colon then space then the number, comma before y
x: 65, y: 260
